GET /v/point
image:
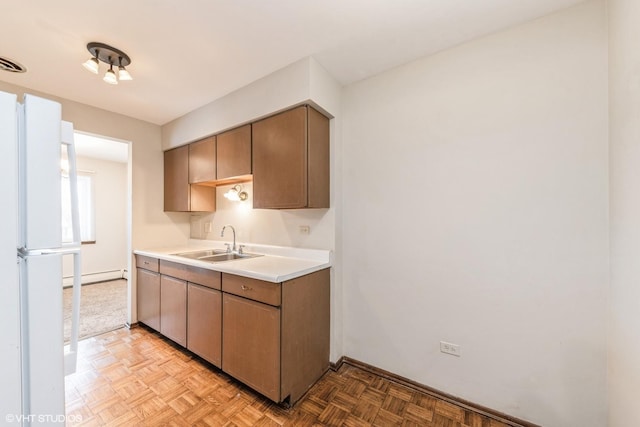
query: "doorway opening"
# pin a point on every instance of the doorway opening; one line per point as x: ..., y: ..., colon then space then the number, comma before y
x: 104, y: 184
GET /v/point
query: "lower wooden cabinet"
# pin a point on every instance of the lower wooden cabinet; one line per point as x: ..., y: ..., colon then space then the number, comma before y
x: 204, y: 323
x: 173, y: 309
x: 251, y: 344
x: 149, y: 298
x: 274, y: 337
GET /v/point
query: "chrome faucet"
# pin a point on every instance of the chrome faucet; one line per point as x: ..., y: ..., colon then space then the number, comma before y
x: 234, y: 249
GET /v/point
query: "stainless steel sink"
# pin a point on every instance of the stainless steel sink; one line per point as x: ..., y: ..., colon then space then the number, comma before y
x: 226, y: 257
x: 215, y: 255
x: 201, y: 254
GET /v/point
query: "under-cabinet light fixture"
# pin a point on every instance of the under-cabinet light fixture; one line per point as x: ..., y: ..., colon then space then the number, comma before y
x: 111, y: 56
x: 236, y: 194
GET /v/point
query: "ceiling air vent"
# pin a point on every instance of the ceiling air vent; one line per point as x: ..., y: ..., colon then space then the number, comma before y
x: 7, y: 64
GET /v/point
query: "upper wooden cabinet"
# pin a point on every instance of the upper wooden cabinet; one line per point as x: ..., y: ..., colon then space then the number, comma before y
x: 291, y: 160
x: 176, y: 179
x: 202, y: 160
x: 179, y: 194
x: 234, y: 153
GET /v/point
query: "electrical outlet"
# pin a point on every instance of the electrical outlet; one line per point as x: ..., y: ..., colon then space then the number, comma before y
x: 449, y: 348
x: 207, y: 227
x: 305, y: 229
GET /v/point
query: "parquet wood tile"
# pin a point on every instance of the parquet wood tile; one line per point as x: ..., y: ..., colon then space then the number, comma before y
x: 138, y: 378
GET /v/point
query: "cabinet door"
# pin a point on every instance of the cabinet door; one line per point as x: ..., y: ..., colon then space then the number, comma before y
x: 251, y: 344
x: 173, y: 309
x: 202, y: 160
x: 148, y: 298
x: 204, y: 323
x: 318, y: 140
x: 234, y: 152
x: 176, y: 180
x: 280, y: 160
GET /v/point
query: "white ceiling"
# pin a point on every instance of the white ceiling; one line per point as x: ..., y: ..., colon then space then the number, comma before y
x: 186, y: 54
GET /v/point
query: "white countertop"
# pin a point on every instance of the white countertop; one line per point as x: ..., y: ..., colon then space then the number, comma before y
x: 277, y: 264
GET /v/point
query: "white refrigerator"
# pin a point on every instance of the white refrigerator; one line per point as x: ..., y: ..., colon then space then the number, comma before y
x: 33, y: 357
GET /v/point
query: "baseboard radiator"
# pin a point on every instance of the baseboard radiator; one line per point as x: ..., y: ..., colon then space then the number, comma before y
x: 103, y: 276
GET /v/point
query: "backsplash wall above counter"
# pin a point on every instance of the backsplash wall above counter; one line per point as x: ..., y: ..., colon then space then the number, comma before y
x: 265, y: 226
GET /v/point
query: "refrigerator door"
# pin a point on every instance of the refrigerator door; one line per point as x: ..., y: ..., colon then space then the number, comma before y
x: 10, y: 364
x: 40, y: 249
x: 43, y: 370
x: 40, y: 190
x: 71, y: 351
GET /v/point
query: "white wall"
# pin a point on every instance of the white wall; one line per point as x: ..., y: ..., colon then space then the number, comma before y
x: 297, y: 83
x: 109, y: 253
x: 624, y: 104
x: 265, y: 226
x: 475, y: 211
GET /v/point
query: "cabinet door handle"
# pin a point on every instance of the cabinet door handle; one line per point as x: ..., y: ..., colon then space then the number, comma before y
x: 245, y: 288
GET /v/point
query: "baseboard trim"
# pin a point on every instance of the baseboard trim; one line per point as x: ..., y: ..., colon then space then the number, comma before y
x: 465, y: 404
x: 103, y: 276
x: 336, y: 366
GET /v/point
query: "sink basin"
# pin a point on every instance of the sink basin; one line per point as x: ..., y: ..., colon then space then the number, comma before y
x: 215, y: 255
x: 201, y: 254
x: 226, y: 257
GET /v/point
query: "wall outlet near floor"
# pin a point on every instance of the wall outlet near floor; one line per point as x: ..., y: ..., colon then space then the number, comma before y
x: 304, y: 229
x: 449, y: 348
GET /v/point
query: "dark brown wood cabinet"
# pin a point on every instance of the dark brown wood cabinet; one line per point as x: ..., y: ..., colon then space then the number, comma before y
x: 196, y: 308
x: 173, y: 309
x: 272, y: 336
x: 176, y: 179
x: 204, y: 322
x: 290, y: 153
x: 234, y: 153
x: 179, y: 194
x: 251, y: 344
x: 202, y: 160
x: 275, y: 336
x: 148, y: 294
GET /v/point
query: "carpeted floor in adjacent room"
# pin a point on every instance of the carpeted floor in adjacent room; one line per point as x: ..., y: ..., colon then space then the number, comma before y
x: 103, y: 308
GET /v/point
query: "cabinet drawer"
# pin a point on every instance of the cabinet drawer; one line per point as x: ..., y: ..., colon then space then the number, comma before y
x: 147, y: 263
x: 189, y: 273
x: 258, y: 290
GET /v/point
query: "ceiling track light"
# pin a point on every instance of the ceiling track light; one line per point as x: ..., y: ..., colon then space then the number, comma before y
x: 111, y: 56
x: 123, y: 74
x: 110, y: 76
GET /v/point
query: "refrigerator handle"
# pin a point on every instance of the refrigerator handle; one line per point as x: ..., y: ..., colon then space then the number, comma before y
x: 71, y: 357
x: 67, y: 248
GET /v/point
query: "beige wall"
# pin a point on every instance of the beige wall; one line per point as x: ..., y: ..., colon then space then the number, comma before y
x: 151, y: 227
x: 624, y: 117
x: 109, y: 252
x: 475, y: 187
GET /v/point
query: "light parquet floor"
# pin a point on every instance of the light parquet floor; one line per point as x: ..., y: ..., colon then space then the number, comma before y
x: 138, y: 378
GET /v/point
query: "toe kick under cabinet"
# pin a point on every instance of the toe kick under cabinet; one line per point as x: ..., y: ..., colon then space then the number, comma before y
x: 274, y: 337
